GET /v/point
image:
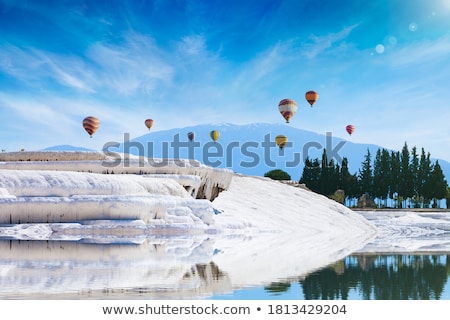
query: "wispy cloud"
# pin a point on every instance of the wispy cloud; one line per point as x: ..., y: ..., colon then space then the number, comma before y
x: 192, y: 45
x: 135, y: 65
x: 35, y: 114
x: 30, y: 65
x: 317, y: 45
x: 258, y: 72
x: 427, y: 51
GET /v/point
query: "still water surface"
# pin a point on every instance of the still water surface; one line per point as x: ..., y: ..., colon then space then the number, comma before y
x: 66, y: 270
x: 364, y: 277
x: 187, y: 267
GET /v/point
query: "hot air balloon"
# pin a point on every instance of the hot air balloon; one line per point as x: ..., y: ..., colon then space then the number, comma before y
x: 281, y: 140
x: 287, y: 108
x: 191, y: 136
x: 214, y: 135
x: 350, y: 128
x: 91, y: 124
x: 311, y: 96
x: 149, y: 123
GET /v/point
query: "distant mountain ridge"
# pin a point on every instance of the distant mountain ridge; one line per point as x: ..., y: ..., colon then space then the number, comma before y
x: 248, y: 149
x: 66, y: 147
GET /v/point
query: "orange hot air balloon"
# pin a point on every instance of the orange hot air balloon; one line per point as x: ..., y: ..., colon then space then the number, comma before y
x: 149, y: 123
x: 287, y: 108
x: 311, y: 96
x: 350, y: 128
x: 91, y: 124
x: 281, y: 140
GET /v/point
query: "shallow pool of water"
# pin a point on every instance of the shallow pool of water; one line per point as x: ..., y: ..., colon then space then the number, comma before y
x: 364, y: 277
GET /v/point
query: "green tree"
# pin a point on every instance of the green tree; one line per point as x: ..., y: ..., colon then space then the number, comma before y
x: 386, y: 170
x: 447, y: 202
x: 423, y: 177
x: 311, y: 174
x: 381, y: 174
x: 365, y: 175
x: 325, y: 175
x: 347, y: 181
x: 438, y: 183
x: 394, y: 177
x: 277, y: 174
x: 406, y: 188
x: 414, y: 168
x: 377, y: 176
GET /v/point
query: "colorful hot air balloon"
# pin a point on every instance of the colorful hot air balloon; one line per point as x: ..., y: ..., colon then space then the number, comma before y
x: 149, y: 123
x: 91, y: 124
x: 214, y: 135
x: 311, y: 96
x: 287, y: 108
x: 350, y: 128
x: 191, y: 136
x: 281, y: 140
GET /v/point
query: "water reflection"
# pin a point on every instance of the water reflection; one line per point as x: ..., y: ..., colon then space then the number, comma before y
x: 379, y: 277
x: 173, y: 269
x: 186, y: 268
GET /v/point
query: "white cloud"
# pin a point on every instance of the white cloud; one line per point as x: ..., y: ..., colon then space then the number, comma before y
x: 138, y: 64
x: 316, y: 45
x: 35, y: 114
x: 428, y: 51
x: 30, y: 65
x: 192, y: 45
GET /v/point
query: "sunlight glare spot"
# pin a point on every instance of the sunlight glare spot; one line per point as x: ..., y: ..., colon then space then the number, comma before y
x: 379, y: 48
x: 446, y: 4
x: 392, y: 40
x: 413, y: 26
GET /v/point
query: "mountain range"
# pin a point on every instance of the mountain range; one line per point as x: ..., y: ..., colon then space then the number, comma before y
x: 248, y: 149
x: 66, y: 147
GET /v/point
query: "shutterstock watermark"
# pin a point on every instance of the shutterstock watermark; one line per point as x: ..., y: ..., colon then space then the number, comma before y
x: 248, y: 154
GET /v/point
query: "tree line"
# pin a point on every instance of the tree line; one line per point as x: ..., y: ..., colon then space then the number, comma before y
x: 404, y: 177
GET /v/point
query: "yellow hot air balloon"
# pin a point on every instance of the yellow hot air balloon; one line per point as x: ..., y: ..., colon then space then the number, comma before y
x: 149, y: 123
x: 281, y: 140
x: 91, y: 124
x: 311, y: 96
x: 214, y: 135
x: 287, y: 108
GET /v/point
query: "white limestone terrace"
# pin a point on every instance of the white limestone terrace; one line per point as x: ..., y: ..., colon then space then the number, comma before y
x: 203, y: 182
x: 254, y: 231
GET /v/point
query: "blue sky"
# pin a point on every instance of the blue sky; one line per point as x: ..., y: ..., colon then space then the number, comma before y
x: 382, y: 65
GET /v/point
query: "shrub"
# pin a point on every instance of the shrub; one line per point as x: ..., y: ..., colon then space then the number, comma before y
x: 277, y: 174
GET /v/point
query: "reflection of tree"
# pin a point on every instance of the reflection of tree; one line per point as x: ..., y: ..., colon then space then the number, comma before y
x: 387, y: 278
x: 207, y: 272
x: 278, y: 287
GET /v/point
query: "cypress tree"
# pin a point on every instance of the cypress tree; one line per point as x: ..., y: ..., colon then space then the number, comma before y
x: 377, y: 176
x: 438, y: 183
x: 381, y: 175
x: 324, y: 174
x: 423, y: 177
x: 365, y: 175
x: 394, y: 178
x: 348, y: 181
x: 311, y: 174
x: 406, y: 189
x: 386, y: 170
x: 414, y: 168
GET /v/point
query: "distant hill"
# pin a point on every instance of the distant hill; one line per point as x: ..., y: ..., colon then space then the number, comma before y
x: 66, y: 147
x: 250, y: 149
